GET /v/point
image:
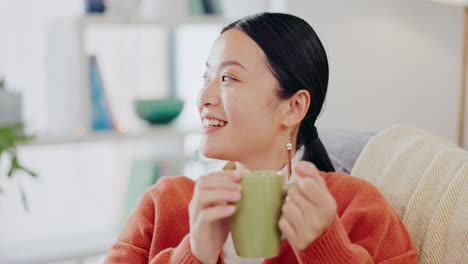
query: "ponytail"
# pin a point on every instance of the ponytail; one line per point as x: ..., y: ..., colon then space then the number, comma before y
x: 314, y: 150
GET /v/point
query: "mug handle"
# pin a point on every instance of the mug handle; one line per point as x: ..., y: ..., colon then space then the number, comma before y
x: 286, y: 187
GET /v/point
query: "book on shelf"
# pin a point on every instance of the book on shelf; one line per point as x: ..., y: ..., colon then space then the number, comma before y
x: 133, y: 64
x: 212, y: 7
x: 101, y: 118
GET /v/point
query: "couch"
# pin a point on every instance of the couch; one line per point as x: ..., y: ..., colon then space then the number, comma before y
x: 423, y: 176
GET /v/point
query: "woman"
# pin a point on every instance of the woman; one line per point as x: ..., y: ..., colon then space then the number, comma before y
x: 265, y: 84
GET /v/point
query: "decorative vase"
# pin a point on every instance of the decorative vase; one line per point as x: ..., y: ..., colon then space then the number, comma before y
x: 10, y: 107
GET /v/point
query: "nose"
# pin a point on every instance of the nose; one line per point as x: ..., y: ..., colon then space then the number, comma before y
x: 209, y: 95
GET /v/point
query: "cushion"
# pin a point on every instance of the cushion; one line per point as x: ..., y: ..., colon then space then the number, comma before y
x: 424, y: 178
x: 343, y: 146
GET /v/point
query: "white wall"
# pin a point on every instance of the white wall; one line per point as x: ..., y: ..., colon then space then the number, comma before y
x: 391, y: 61
x: 24, y: 43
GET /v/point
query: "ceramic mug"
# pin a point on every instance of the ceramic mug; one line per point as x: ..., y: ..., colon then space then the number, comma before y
x: 254, y: 225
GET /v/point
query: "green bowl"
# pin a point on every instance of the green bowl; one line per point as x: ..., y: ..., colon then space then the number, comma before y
x: 158, y: 111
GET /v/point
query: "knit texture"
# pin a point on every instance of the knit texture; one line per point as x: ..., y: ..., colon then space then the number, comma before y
x: 366, y: 229
x: 424, y: 178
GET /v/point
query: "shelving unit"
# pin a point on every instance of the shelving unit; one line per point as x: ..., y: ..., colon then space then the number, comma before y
x: 165, y: 131
x: 107, y: 20
x: 122, y: 21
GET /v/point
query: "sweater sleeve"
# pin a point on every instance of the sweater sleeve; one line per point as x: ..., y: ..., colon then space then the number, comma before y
x: 368, y: 230
x: 146, y: 237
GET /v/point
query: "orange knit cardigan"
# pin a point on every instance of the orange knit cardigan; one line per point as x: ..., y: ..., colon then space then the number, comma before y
x: 366, y: 229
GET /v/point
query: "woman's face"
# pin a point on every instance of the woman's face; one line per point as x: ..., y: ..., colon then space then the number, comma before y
x: 240, y: 94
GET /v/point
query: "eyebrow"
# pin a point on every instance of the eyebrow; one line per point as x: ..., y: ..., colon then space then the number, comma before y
x: 229, y: 62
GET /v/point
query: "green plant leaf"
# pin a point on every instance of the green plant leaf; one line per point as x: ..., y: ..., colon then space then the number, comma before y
x: 28, y: 171
x: 7, y: 139
x: 15, y: 166
x: 10, y: 136
x: 10, y: 172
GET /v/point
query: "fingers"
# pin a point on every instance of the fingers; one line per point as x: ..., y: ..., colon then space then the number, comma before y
x: 219, y: 188
x: 215, y: 193
x: 227, y: 180
x: 215, y: 213
x: 306, y: 169
x: 286, y: 228
x: 311, y: 191
x: 291, y: 212
x: 303, y: 203
x: 317, y: 198
x: 218, y: 196
x: 310, y: 208
x: 311, y: 184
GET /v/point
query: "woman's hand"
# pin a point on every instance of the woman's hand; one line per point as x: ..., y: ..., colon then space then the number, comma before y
x: 309, y: 208
x: 209, y: 212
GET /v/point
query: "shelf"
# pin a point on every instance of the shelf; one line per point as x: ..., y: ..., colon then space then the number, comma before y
x: 119, y: 21
x: 112, y: 21
x: 166, y: 131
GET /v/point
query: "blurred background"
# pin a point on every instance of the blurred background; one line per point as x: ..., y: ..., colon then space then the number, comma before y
x: 98, y: 100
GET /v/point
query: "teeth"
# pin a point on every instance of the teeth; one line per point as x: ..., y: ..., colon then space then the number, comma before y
x: 213, y: 122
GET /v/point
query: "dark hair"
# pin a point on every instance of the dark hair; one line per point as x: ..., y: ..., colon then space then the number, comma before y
x: 298, y: 60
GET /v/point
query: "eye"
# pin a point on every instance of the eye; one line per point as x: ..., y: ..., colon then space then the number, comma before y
x: 226, y: 78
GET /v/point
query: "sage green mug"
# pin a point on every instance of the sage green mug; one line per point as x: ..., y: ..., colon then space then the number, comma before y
x: 254, y: 226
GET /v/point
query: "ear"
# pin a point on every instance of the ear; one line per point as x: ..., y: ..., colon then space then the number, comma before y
x: 295, y: 108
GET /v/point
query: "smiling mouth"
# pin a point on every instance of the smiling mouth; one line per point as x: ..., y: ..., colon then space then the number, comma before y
x: 213, y: 123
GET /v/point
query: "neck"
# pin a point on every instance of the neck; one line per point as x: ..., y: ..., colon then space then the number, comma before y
x: 268, y: 161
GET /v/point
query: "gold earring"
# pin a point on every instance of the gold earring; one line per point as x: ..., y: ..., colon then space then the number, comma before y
x: 288, y: 150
